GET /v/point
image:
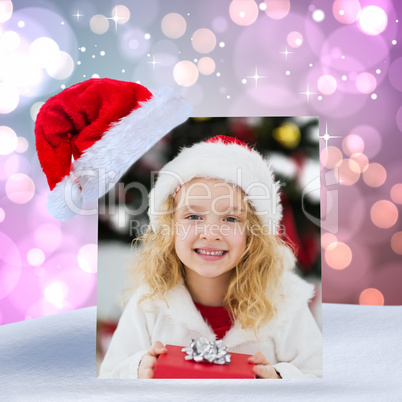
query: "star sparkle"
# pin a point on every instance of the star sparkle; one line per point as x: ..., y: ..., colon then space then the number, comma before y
x: 116, y: 19
x: 286, y: 52
x: 308, y: 93
x: 78, y: 15
x: 153, y: 62
x: 256, y: 77
x: 326, y: 137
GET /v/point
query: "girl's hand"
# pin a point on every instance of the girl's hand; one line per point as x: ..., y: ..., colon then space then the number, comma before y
x: 147, y: 365
x: 263, y: 368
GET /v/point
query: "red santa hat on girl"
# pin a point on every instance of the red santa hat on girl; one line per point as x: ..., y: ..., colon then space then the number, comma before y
x: 227, y: 159
x: 89, y: 135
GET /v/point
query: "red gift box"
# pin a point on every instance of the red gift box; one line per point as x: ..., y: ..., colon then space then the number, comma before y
x: 173, y: 365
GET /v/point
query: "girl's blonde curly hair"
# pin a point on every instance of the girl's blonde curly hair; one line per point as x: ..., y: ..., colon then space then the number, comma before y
x: 253, y: 291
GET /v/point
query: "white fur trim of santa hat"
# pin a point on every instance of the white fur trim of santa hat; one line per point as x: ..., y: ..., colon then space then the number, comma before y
x: 100, y: 166
x: 231, y: 163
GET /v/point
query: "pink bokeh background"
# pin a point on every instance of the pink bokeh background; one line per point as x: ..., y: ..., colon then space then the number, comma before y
x: 338, y: 60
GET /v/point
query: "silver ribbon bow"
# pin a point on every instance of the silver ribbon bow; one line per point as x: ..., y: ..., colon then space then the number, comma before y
x: 201, y: 349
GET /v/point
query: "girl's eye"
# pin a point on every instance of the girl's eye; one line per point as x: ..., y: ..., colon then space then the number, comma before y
x: 193, y: 217
x: 231, y: 219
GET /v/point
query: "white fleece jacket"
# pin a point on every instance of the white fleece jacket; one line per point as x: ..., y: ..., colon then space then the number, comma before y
x: 292, y: 342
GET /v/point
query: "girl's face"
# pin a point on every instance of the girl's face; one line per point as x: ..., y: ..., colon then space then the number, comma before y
x: 210, y: 227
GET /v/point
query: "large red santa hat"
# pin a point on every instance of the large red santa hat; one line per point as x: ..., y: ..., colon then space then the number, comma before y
x: 88, y: 135
x: 227, y: 159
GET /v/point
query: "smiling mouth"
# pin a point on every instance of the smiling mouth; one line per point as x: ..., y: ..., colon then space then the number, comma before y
x: 205, y: 252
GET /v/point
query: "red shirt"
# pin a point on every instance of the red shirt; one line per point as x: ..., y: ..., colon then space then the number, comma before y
x: 217, y: 317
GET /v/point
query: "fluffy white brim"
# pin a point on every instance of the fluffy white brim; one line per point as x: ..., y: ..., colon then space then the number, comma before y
x: 101, y: 166
x: 230, y: 163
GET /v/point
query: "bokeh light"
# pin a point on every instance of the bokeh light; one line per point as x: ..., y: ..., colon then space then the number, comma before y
x: 338, y: 255
x: 35, y: 257
x: 375, y: 175
x: 88, y: 258
x: 327, y: 239
x: 121, y: 14
x: 372, y: 139
x: 361, y: 159
x: 99, y: 24
x: 348, y: 172
x: 62, y: 67
x: 20, y: 188
x: 366, y: 83
x: 206, y: 65
x: 9, y: 98
x: 243, y: 12
x: 185, y: 73
x: 203, y: 40
x: 35, y: 109
x: 44, y: 51
x: 371, y: 297
x: 6, y: 10
x: 346, y: 11
x: 352, y: 144
x: 2, y: 215
x: 396, y: 243
x: 8, y: 140
x: 10, y: 40
x: 327, y: 84
x: 396, y: 193
x: 373, y: 20
x: 318, y: 15
x: 277, y: 9
x: 56, y: 293
x: 331, y: 157
x: 294, y: 39
x: 173, y: 25
x: 384, y: 214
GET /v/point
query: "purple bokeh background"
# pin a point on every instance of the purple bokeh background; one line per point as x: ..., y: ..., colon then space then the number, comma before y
x: 345, y: 68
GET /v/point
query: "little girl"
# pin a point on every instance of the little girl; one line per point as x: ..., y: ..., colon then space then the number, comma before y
x: 214, y: 266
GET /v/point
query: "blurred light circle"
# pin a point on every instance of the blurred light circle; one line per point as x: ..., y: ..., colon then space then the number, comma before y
x: 6, y: 10
x: 318, y: 15
x: 327, y: 84
x: 61, y: 68
x: 35, y: 109
x: 56, y: 292
x: 277, y: 9
x: 185, y: 73
x: 375, y: 175
x: 396, y: 243
x: 394, y: 75
x: 366, y: 83
x: 243, y: 12
x: 371, y: 297
x: 22, y: 145
x: 206, y: 65
x: 35, y: 257
x: 327, y: 239
x: 373, y: 20
x: 348, y: 172
x: 10, y: 40
x: 294, y: 39
x: 48, y: 237
x: 203, y: 40
x: 8, y: 140
x: 121, y: 14
x: 2, y: 215
x: 44, y: 51
x: 88, y: 258
x: 9, y: 98
x: 99, y: 24
x: 361, y: 159
x: 20, y: 188
x: 338, y: 255
x: 133, y: 44
x: 384, y: 214
x: 396, y: 193
x: 346, y: 11
x: 220, y: 24
x: 352, y: 144
x: 331, y: 157
x: 173, y: 25
x: 372, y: 139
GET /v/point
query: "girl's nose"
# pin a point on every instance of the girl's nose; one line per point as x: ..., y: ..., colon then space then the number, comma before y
x: 210, y: 232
